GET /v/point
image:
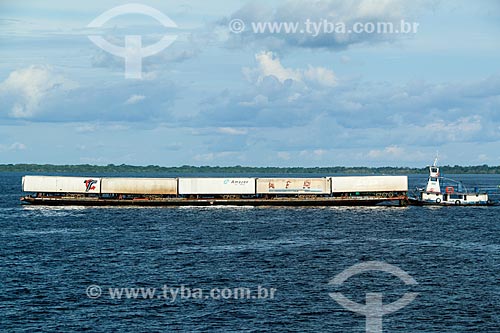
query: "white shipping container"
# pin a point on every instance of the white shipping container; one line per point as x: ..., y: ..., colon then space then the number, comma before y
x: 370, y: 184
x: 216, y: 185
x: 54, y: 184
x: 139, y: 186
x: 293, y: 185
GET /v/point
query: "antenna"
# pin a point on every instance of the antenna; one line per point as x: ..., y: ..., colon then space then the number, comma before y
x: 436, y: 159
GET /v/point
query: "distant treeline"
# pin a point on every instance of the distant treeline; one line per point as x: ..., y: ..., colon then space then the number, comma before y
x: 123, y: 168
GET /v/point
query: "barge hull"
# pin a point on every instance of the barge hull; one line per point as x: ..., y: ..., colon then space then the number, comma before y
x: 318, y: 202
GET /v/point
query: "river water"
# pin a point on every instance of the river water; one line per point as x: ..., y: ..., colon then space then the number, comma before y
x: 63, y: 268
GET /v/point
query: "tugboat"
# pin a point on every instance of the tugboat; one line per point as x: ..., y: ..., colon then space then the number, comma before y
x: 456, y: 194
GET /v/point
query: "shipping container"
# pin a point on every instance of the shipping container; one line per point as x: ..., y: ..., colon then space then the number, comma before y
x: 52, y: 184
x: 214, y: 186
x: 293, y: 185
x: 156, y: 186
x: 369, y: 184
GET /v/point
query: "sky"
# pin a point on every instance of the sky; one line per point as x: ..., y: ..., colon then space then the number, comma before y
x: 218, y: 94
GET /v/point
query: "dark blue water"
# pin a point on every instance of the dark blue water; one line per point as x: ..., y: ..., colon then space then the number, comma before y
x: 50, y: 256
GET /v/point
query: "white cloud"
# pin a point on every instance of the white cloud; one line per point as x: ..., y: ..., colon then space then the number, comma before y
x: 259, y: 100
x: 95, y: 127
x: 86, y: 128
x: 320, y: 75
x: 283, y: 155
x: 315, y: 154
x: 268, y: 64
x: 388, y: 152
x: 232, y: 131
x: 382, y: 8
x: 293, y: 97
x: 345, y: 59
x: 319, y: 152
x: 458, y: 130
x: 117, y: 127
x: 134, y: 99
x: 483, y: 158
x: 16, y: 146
x: 210, y: 157
x: 25, y: 89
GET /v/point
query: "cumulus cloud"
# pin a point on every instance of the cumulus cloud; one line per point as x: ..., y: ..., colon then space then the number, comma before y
x: 461, y: 129
x: 16, y: 146
x: 25, y: 90
x: 268, y: 64
x: 278, y: 96
x: 357, y: 115
x: 42, y: 94
x: 134, y: 99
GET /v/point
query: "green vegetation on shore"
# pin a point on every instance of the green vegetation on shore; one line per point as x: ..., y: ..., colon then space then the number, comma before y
x: 111, y: 168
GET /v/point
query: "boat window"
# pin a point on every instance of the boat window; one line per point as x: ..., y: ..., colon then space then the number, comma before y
x: 434, y: 169
x: 433, y: 179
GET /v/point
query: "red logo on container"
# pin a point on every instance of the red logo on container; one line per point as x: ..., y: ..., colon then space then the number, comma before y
x: 89, y: 184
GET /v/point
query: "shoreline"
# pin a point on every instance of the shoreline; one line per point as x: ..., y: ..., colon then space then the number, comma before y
x: 334, y: 170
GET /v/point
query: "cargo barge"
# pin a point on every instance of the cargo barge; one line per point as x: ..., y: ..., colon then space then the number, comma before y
x: 113, y: 191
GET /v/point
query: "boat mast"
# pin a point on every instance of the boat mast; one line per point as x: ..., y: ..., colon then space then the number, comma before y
x: 433, y: 185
